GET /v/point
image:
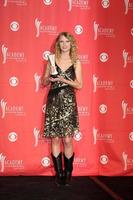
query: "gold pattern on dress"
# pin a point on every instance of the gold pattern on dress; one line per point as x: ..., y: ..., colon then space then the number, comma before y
x: 61, y: 116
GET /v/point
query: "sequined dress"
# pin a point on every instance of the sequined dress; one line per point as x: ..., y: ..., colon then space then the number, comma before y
x: 61, y: 116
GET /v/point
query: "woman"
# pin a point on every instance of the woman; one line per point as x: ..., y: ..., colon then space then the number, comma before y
x: 61, y: 117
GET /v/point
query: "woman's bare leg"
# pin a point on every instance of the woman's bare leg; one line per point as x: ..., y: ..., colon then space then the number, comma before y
x: 68, y: 146
x: 55, y: 146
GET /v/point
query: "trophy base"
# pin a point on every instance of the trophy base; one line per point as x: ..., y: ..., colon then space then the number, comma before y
x: 54, y: 75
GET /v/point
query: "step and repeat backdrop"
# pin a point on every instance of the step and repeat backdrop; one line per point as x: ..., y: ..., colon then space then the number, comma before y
x: 104, y: 33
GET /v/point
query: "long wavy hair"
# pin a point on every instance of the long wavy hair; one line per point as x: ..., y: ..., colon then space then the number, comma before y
x: 73, y: 50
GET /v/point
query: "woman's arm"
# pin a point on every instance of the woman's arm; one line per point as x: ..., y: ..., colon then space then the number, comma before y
x: 45, y: 78
x: 77, y: 83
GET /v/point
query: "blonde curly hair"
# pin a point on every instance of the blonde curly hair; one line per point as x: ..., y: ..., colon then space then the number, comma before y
x: 73, y: 49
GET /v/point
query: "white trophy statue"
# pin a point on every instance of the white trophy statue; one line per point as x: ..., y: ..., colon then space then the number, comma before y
x: 51, y: 59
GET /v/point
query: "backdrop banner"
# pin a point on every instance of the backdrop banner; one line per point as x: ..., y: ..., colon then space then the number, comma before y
x: 104, y: 33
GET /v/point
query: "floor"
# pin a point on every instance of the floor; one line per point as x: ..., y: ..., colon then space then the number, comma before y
x: 82, y: 188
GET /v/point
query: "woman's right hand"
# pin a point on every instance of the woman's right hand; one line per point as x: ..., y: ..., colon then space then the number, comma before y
x: 44, y: 82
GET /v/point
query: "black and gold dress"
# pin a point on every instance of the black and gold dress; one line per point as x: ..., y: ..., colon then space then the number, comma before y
x: 61, y: 116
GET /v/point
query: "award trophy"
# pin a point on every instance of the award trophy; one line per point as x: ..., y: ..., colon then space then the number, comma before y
x: 54, y: 72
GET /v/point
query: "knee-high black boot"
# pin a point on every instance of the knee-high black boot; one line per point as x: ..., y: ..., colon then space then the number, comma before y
x: 57, y: 161
x: 68, y: 163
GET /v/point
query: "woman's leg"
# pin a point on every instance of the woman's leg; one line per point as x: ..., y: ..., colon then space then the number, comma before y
x: 57, y: 160
x: 68, y: 146
x: 55, y: 146
x: 68, y: 159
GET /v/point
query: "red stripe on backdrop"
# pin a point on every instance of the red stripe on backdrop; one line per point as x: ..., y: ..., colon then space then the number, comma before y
x: 104, y: 32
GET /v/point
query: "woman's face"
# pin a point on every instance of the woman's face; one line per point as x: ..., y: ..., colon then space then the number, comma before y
x: 64, y: 43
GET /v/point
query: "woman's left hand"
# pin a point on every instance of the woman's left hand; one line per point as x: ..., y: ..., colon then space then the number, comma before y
x: 58, y: 78
x: 61, y: 79
x: 53, y: 79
